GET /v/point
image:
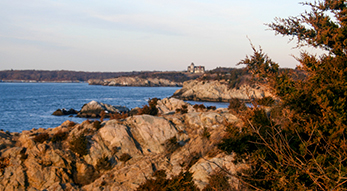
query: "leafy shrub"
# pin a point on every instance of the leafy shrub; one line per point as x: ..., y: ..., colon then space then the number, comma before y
x: 304, y: 146
x: 42, y: 137
x: 244, y: 142
x: 125, y: 157
x: 79, y: 144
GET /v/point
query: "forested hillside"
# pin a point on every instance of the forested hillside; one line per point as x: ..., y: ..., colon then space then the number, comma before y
x: 61, y: 75
x: 64, y: 75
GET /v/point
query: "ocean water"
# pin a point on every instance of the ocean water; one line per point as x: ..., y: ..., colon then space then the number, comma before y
x: 24, y: 106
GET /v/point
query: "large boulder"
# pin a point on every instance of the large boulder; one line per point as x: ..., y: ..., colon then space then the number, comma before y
x: 203, y: 168
x: 94, y: 108
x: 169, y: 105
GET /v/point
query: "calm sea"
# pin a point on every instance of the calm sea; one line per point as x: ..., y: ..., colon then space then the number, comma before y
x: 24, y: 106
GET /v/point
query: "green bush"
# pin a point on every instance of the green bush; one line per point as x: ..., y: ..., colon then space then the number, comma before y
x: 303, y: 147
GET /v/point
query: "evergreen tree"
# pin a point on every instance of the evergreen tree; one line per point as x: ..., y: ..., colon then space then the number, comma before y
x: 301, y: 144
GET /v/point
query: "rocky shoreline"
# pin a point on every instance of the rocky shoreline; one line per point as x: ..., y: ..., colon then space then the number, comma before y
x: 119, y: 154
x: 135, y: 81
x: 217, y: 91
x: 38, y: 81
x: 93, y: 109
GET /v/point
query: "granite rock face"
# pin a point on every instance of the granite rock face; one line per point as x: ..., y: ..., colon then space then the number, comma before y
x: 218, y: 92
x: 135, y: 81
x: 122, y: 154
x: 169, y: 105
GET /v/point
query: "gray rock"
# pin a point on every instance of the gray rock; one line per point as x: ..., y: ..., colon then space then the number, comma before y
x: 166, y: 142
x: 94, y: 108
x: 218, y: 92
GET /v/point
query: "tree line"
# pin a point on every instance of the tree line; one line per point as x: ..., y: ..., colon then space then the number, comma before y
x: 65, y: 75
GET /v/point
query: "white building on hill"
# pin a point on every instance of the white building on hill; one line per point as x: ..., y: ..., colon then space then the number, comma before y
x: 196, y: 69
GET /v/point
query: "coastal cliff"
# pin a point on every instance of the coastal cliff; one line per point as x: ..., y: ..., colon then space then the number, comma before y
x: 217, y: 91
x: 119, y: 154
x: 135, y: 81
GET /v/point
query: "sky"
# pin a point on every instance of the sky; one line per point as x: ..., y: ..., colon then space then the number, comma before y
x: 141, y: 35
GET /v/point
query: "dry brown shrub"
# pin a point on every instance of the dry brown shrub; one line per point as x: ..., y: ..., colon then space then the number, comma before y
x: 42, y: 137
x: 4, y: 162
x: 218, y: 180
x: 79, y: 145
x: 125, y: 157
x: 59, y: 136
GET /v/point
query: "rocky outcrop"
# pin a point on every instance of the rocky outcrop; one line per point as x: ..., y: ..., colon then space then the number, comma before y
x: 135, y: 81
x: 169, y: 105
x: 60, y: 112
x: 93, y: 110
x: 218, y: 92
x: 121, y: 154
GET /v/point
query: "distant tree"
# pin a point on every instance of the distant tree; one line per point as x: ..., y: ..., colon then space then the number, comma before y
x: 303, y: 146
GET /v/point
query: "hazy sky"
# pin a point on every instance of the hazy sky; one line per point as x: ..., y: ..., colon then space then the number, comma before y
x: 128, y: 35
